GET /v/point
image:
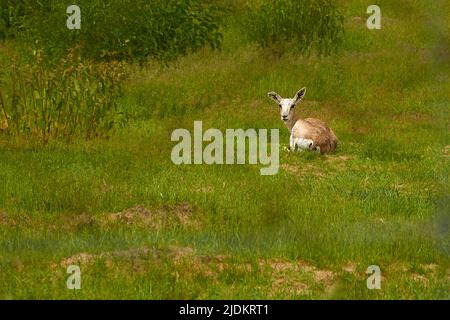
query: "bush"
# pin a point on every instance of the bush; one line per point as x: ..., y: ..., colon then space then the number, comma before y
x: 304, y: 24
x: 117, y: 29
x: 74, y: 99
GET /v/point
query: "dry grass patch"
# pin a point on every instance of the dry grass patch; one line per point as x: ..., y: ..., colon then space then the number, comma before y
x: 423, y: 273
x: 163, y: 217
x: 295, y: 278
x: 182, y: 260
x: 175, y: 254
x: 446, y: 152
x: 5, y: 219
x: 338, y: 162
x: 421, y: 279
x: 302, y: 170
x: 16, y: 220
x: 317, y: 170
x: 360, y: 129
x: 338, y: 159
x: 349, y: 267
x: 203, y: 189
x: 75, y: 222
x: 285, y: 278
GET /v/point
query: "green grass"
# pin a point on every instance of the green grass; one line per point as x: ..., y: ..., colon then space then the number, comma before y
x: 309, y: 232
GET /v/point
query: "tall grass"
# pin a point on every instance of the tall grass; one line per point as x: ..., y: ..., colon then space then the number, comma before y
x: 75, y: 98
x: 305, y: 25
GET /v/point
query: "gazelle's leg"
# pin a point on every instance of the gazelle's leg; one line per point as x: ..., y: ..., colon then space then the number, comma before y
x: 291, y: 143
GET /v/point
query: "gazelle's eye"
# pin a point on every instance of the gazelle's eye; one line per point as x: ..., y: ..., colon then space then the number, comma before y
x: 292, y: 106
x: 279, y: 106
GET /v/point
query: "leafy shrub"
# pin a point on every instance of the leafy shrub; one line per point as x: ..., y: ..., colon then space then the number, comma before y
x: 118, y: 29
x: 305, y: 24
x: 73, y: 99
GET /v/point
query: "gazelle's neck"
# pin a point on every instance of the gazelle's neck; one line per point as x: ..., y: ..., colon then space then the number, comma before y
x: 291, y: 122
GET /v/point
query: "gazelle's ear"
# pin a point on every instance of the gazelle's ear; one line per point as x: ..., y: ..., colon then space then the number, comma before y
x: 274, y: 96
x: 299, y: 95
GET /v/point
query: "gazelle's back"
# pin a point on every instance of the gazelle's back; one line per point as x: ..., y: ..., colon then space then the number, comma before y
x: 316, y: 130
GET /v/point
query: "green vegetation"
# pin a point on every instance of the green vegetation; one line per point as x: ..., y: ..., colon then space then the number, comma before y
x: 141, y: 227
x: 114, y: 29
x: 74, y: 99
x: 304, y: 24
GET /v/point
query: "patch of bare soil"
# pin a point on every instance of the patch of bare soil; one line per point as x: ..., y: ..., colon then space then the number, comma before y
x: 286, y: 277
x: 349, y: 267
x: 176, y: 254
x: 80, y: 258
x: 291, y: 277
x: 16, y: 220
x: 420, y: 278
x: 167, y: 215
x: 430, y: 267
x: 5, y: 219
x: 289, y: 286
x: 423, y: 273
x: 184, y: 261
x: 182, y: 212
x: 136, y: 214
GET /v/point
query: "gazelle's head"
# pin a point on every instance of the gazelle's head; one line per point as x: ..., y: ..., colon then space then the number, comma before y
x: 287, y: 105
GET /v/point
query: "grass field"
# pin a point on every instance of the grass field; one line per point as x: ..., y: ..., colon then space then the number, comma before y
x: 141, y: 227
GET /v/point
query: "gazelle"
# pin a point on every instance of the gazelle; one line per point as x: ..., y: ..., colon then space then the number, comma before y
x: 306, y: 134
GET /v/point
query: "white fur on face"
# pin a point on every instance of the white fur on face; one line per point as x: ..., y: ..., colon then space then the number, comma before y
x: 287, y: 105
x: 286, y: 109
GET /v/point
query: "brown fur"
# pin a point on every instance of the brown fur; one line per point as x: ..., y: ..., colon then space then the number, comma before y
x: 316, y: 130
x: 323, y: 138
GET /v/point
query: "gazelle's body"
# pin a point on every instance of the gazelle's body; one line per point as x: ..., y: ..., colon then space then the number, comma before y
x: 306, y: 134
x: 311, y: 134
